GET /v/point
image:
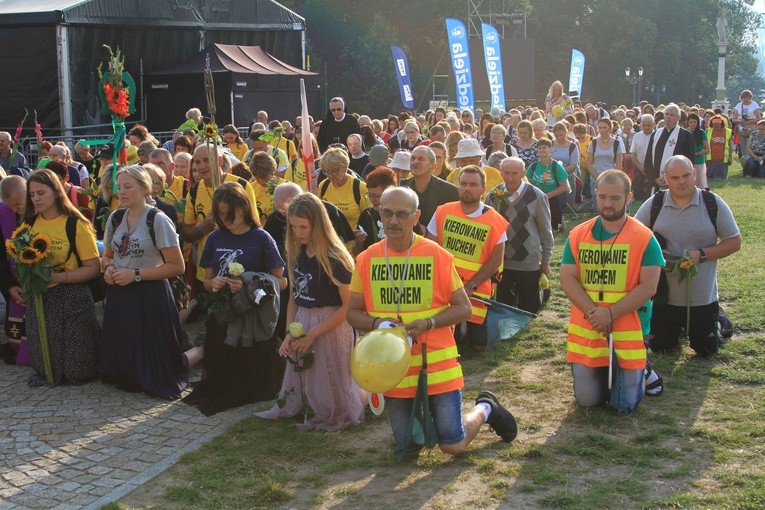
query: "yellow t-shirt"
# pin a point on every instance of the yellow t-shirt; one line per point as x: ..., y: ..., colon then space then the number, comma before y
x: 176, y: 190
x: 197, y: 210
x: 238, y: 150
x: 59, y: 258
x: 343, y: 199
x: 493, y: 178
x: 287, y: 146
x: 297, y: 175
x: 265, y: 199
x: 583, y: 148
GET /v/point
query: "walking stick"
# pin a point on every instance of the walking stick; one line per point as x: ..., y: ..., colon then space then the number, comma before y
x: 610, y: 359
x: 211, y: 137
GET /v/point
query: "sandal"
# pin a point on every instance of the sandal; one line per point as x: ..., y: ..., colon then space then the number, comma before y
x: 655, y: 388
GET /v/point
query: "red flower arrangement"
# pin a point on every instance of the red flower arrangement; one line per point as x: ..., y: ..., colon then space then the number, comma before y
x: 117, y: 99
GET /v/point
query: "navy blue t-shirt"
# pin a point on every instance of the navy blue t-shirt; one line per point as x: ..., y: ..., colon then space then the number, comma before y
x: 255, y: 250
x: 313, y: 287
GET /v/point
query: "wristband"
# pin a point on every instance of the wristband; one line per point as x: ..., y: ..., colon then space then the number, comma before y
x: 374, y: 321
x: 432, y: 322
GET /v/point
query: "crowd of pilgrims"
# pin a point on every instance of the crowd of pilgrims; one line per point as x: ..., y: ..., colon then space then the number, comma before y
x: 167, y: 242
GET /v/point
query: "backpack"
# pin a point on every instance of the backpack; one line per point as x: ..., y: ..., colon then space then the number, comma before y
x: 554, y: 164
x: 177, y: 283
x: 707, y: 196
x: 356, y: 190
x: 724, y: 325
x: 616, y: 147
x: 96, y: 285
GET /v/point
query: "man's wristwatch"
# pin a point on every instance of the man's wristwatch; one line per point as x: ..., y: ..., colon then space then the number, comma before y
x: 137, y: 275
x: 702, y: 256
x: 471, y: 285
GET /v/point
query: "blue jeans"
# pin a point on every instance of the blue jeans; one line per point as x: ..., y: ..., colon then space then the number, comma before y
x: 446, y: 409
x: 591, y: 386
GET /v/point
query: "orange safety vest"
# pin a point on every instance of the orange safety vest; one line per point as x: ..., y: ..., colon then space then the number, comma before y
x: 426, y: 291
x: 471, y: 241
x: 716, y: 141
x: 614, y: 270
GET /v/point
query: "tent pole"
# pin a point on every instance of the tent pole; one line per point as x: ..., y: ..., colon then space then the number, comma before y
x: 302, y: 41
x: 233, y: 121
x: 143, y: 97
x: 64, y: 79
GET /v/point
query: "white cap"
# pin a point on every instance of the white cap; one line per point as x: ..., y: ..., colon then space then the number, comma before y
x: 400, y: 160
x: 468, y: 148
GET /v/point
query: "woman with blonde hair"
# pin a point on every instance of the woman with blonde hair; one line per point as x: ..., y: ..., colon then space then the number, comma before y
x: 556, y: 98
x: 467, y: 116
x: 539, y: 127
x: 142, y: 334
x: 442, y: 169
x: 70, y: 314
x: 451, y: 143
x: 317, y: 380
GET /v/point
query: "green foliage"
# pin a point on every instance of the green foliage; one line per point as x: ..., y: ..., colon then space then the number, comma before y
x: 675, y: 41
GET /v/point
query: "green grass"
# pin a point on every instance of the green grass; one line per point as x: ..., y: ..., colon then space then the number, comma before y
x: 700, y: 445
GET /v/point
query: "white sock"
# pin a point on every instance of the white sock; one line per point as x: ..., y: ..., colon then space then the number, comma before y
x: 651, y: 377
x: 486, y: 408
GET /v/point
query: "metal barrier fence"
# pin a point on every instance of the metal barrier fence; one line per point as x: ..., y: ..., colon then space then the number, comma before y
x: 28, y: 145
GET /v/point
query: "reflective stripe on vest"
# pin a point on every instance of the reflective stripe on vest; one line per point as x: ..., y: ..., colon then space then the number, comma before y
x: 425, y: 293
x: 613, y: 270
x: 471, y: 241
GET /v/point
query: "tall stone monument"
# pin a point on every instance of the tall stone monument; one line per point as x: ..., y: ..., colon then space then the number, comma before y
x: 722, y: 45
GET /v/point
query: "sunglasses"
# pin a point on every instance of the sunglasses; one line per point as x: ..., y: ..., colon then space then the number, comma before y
x: 336, y: 109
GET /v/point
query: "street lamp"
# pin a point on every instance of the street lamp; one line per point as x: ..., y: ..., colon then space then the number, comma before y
x: 635, y: 80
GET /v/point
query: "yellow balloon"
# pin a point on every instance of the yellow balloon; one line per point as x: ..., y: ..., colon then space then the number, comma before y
x: 557, y: 110
x: 380, y: 359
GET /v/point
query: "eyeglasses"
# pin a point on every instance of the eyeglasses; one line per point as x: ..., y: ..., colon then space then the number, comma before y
x: 400, y: 215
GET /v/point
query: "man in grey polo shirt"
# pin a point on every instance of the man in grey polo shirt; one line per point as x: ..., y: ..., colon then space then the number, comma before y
x: 684, y: 223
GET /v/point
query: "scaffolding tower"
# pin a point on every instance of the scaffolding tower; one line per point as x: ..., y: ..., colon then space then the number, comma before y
x: 497, y: 13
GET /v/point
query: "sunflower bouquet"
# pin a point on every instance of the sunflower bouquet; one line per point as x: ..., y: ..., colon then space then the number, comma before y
x: 498, y: 194
x: 31, y: 251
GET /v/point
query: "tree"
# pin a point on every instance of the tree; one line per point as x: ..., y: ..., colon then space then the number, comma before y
x: 673, y: 40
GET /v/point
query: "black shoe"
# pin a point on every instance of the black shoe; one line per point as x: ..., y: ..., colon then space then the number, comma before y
x: 500, y: 420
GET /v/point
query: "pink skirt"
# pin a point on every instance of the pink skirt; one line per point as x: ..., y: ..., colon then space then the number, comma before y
x: 325, y: 395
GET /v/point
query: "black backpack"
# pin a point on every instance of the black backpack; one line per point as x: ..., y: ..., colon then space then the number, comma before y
x: 96, y: 285
x: 725, y: 326
x: 177, y: 283
x: 324, y: 186
x: 707, y: 196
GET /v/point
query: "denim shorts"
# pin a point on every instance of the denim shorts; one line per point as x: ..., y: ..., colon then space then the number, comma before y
x: 446, y: 409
